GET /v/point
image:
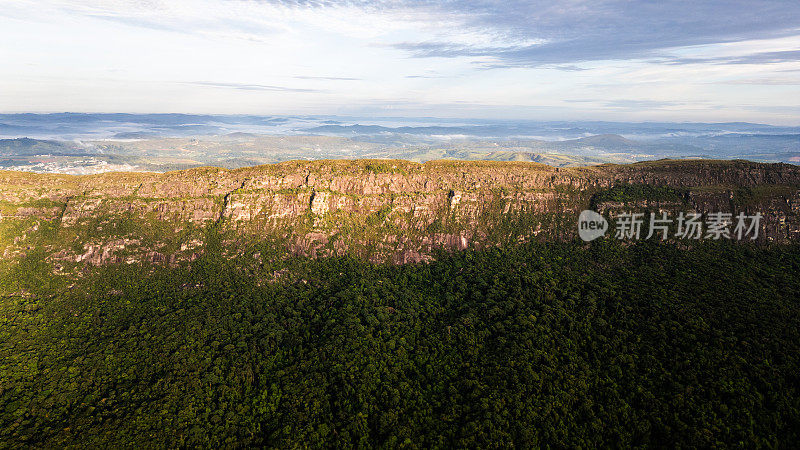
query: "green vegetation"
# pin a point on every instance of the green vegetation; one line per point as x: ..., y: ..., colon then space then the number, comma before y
x: 622, y: 193
x: 376, y: 167
x: 561, y: 345
x: 758, y: 195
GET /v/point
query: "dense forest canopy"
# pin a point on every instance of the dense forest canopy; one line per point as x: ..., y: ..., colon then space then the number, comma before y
x: 557, y: 344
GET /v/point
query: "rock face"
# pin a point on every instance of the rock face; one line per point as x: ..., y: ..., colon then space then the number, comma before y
x: 394, y: 211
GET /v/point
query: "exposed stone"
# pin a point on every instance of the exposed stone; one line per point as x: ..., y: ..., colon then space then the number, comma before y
x: 401, y: 215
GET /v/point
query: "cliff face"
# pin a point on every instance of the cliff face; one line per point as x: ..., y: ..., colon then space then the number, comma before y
x: 381, y: 210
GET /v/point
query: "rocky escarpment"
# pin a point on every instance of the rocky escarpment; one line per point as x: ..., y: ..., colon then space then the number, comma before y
x: 394, y: 211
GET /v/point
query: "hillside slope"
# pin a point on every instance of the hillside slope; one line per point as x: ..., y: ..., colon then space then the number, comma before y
x: 379, y: 210
x: 229, y: 308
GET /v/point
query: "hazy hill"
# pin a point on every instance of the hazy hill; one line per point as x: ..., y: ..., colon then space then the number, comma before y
x: 139, y: 150
x: 32, y: 147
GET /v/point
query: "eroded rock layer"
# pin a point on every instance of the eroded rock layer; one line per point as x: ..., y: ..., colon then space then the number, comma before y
x: 394, y: 211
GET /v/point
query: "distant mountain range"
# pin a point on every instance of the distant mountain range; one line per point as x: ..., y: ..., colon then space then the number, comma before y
x: 84, y: 126
x: 73, y: 142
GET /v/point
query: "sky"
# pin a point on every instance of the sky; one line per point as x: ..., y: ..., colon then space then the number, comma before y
x: 666, y: 60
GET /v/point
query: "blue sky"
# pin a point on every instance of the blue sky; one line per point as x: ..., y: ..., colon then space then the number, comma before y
x: 572, y: 60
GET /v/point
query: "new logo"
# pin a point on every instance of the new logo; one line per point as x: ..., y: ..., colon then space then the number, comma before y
x: 591, y: 225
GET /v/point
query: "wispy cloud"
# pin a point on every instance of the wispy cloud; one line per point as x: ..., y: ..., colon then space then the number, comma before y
x: 513, y: 33
x: 754, y: 58
x: 766, y: 81
x: 568, y: 68
x: 634, y: 104
x: 704, y: 59
x: 303, y: 77
x: 139, y: 22
x: 570, y: 32
x: 251, y: 87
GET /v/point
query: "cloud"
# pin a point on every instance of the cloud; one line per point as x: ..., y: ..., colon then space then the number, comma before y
x: 727, y: 52
x: 138, y: 22
x: 794, y: 110
x: 450, y: 50
x: 579, y: 31
x: 251, y: 87
x: 766, y: 81
x: 568, y: 68
x: 633, y: 104
x: 754, y: 58
x: 300, y: 77
x: 511, y: 33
